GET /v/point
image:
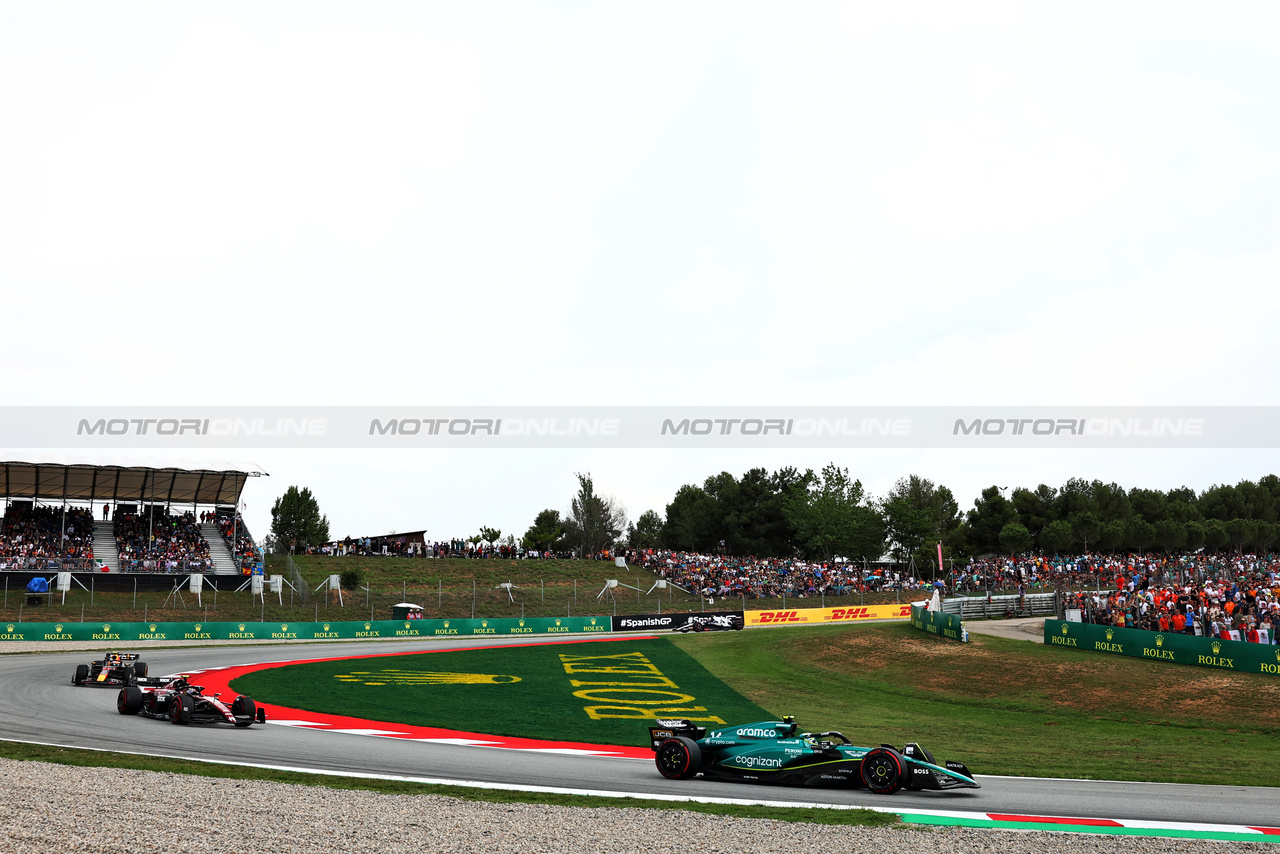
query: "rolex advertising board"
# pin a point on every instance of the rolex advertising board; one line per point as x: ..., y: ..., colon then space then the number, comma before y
x: 1238, y: 656
x: 274, y: 631
x: 939, y: 623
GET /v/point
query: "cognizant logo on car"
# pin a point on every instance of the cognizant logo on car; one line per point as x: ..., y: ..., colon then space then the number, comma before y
x: 758, y: 762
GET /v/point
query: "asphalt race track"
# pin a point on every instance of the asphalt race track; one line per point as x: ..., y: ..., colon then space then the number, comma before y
x: 38, y: 703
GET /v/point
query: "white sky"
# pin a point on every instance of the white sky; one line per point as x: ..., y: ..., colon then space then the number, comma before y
x: 587, y: 203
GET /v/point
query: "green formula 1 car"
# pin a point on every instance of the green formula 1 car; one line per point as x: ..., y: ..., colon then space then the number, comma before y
x: 773, y: 752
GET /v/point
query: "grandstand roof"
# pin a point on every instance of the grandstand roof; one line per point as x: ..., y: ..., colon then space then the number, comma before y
x: 207, y: 483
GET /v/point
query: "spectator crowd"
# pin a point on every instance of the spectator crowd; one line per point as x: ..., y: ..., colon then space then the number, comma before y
x: 767, y: 578
x: 154, y: 540
x: 42, y: 539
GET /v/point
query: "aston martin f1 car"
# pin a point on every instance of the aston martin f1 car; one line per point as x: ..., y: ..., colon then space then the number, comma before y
x: 715, y: 623
x: 115, y: 668
x: 773, y: 752
x: 180, y: 702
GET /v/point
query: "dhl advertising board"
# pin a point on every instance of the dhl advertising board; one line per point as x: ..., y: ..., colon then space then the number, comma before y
x: 275, y: 631
x: 828, y: 615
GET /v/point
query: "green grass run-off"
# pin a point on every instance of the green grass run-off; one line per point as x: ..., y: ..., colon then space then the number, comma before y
x: 1008, y: 706
x: 542, y: 705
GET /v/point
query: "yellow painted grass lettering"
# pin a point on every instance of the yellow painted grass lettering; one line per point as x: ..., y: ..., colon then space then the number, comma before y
x: 636, y: 698
x: 417, y: 677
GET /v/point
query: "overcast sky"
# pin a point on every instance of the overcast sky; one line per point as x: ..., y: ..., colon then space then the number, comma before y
x: 602, y: 203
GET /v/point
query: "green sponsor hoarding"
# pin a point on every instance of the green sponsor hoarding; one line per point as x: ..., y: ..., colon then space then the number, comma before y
x: 1238, y: 656
x: 344, y: 630
x: 938, y: 623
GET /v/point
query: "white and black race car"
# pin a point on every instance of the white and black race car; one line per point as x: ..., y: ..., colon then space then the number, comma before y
x: 715, y: 623
x: 180, y: 702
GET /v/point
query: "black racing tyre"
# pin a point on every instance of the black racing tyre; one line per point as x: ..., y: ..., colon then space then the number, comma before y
x: 882, y: 771
x: 243, y: 705
x: 82, y: 675
x: 180, y: 709
x: 129, y: 700
x: 125, y: 675
x: 678, y: 758
x: 140, y: 669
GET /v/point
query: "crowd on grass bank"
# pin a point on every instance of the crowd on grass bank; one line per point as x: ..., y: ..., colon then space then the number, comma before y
x: 399, y: 545
x: 769, y: 578
x: 41, y: 539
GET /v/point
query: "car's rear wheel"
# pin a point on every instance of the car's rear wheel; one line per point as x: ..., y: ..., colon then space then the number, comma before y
x: 678, y: 758
x: 140, y: 669
x: 129, y: 700
x: 82, y: 674
x: 243, y: 705
x: 882, y: 771
x: 180, y: 709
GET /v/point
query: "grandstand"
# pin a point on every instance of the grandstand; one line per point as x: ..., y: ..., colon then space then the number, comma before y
x: 124, y: 519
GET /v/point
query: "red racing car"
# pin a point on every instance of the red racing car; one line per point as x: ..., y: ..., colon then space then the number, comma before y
x: 183, y: 703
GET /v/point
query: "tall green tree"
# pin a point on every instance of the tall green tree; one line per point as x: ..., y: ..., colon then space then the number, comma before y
x: 546, y: 534
x: 594, y: 522
x: 918, y: 514
x: 1015, y: 538
x: 296, y: 521
x: 1170, y: 534
x: 1140, y: 533
x: 1086, y: 527
x: 834, y: 517
x: 1035, y: 508
x: 1215, y: 534
x: 989, y: 515
x: 1057, y: 536
x: 688, y: 525
x: 1239, y: 532
x: 645, y: 532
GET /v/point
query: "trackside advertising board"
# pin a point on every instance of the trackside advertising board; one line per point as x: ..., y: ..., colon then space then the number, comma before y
x: 1238, y: 656
x: 939, y: 623
x: 828, y: 615
x: 346, y: 630
x: 664, y: 622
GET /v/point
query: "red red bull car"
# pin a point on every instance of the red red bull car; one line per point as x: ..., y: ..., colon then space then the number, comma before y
x: 180, y: 702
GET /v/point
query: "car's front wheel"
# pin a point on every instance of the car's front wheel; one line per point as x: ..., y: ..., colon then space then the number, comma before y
x: 678, y: 758
x: 180, y: 709
x: 243, y: 705
x: 82, y: 675
x: 882, y: 771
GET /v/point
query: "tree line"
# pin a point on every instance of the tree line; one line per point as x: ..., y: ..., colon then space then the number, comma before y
x: 819, y: 515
